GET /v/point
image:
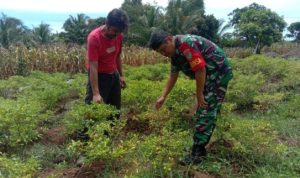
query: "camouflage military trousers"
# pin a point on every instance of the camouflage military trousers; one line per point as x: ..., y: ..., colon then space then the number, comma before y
x: 206, y: 118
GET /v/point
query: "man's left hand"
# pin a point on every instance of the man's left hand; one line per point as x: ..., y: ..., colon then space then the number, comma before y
x: 122, y: 82
x: 201, y: 102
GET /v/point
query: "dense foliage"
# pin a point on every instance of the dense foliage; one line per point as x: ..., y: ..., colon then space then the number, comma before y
x: 294, y: 30
x: 257, y: 134
x: 44, y: 122
x: 257, y: 25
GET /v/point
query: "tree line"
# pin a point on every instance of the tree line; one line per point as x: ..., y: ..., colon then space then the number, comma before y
x: 253, y: 26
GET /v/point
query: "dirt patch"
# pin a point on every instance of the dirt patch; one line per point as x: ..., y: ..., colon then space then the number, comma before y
x: 9, y: 93
x: 92, y: 170
x: 87, y: 171
x: 46, y: 173
x: 236, y: 168
x: 272, y: 54
x: 54, y: 136
x: 294, y: 53
x: 291, y: 142
x: 214, y: 146
x: 67, y: 173
x: 188, y: 115
x: 137, y: 125
x: 65, y: 102
x: 196, y: 174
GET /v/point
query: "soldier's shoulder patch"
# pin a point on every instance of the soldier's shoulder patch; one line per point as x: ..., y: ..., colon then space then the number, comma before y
x: 195, y: 62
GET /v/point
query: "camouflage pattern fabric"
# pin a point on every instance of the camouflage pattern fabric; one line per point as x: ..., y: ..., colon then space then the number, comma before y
x: 218, y: 74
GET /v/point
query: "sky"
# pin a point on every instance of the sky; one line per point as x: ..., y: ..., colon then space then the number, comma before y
x: 56, y: 12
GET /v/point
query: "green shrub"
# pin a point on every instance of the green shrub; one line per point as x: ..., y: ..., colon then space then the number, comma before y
x: 244, y: 88
x: 14, y: 167
x: 256, y: 138
x: 160, y: 152
x: 83, y: 115
x: 182, y: 97
x: 141, y: 95
x: 156, y: 72
x: 19, y: 121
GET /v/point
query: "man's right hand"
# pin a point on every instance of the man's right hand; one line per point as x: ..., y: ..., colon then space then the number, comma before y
x: 97, y: 98
x: 160, y: 102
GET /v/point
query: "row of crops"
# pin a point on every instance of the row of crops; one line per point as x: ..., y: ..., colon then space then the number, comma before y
x: 257, y: 134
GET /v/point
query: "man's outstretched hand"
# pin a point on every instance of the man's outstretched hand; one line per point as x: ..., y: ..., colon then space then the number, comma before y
x: 160, y: 102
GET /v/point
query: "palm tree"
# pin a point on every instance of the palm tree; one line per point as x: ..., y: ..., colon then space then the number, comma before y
x: 223, y: 27
x: 143, y: 18
x: 94, y: 23
x: 174, y: 17
x: 146, y: 23
x: 76, y: 29
x: 183, y: 16
x: 42, y: 33
x: 12, y: 31
x: 193, y: 7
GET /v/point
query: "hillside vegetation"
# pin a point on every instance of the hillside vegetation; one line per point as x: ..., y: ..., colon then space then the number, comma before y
x: 257, y: 134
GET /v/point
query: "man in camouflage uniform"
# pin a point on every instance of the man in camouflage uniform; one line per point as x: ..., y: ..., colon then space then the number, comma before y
x: 202, y: 60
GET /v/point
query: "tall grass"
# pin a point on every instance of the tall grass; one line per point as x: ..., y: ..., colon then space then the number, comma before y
x: 281, y: 48
x: 137, y: 56
x: 56, y: 58
x: 63, y: 58
x: 238, y: 52
x: 72, y: 58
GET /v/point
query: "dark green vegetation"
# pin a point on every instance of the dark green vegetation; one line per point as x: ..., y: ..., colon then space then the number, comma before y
x: 258, y: 133
x: 258, y: 26
x: 253, y: 26
x: 294, y: 30
x: 41, y: 109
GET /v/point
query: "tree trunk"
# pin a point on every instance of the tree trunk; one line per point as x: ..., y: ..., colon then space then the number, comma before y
x: 257, y: 47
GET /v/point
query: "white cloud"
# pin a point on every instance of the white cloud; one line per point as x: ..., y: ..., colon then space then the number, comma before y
x: 219, y: 8
x: 232, y: 4
x: 100, y: 6
x: 77, y: 6
x: 287, y: 8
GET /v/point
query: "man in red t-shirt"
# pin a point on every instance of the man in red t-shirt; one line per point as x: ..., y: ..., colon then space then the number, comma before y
x: 104, y: 46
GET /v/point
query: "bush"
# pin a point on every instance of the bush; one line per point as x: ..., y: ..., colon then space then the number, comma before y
x: 243, y: 90
x: 19, y: 121
x: 156, y: 72
x: 14, y: 167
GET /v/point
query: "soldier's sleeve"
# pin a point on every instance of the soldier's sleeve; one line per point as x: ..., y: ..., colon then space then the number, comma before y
x: 194, y: 57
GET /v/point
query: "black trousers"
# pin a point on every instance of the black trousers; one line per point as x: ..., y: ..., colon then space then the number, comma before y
x: 110, y: 89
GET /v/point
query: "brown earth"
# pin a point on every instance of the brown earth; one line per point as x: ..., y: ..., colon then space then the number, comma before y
x: 136, y: 125
x: 86, y: 171
x: 294, y: 53
x: 196, y: 174
x: 54, y: 136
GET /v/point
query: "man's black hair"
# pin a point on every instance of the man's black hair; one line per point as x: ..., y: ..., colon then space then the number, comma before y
x: 118, y: 18
x: 157, y: 38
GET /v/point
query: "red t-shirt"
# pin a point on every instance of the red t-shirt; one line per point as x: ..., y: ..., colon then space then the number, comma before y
x: 104, y: 50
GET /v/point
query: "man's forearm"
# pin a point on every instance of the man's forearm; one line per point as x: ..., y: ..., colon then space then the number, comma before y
x: 170, y: 84
x: 119, y: 66
x: 94, y: 79
x: 200, y: 75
